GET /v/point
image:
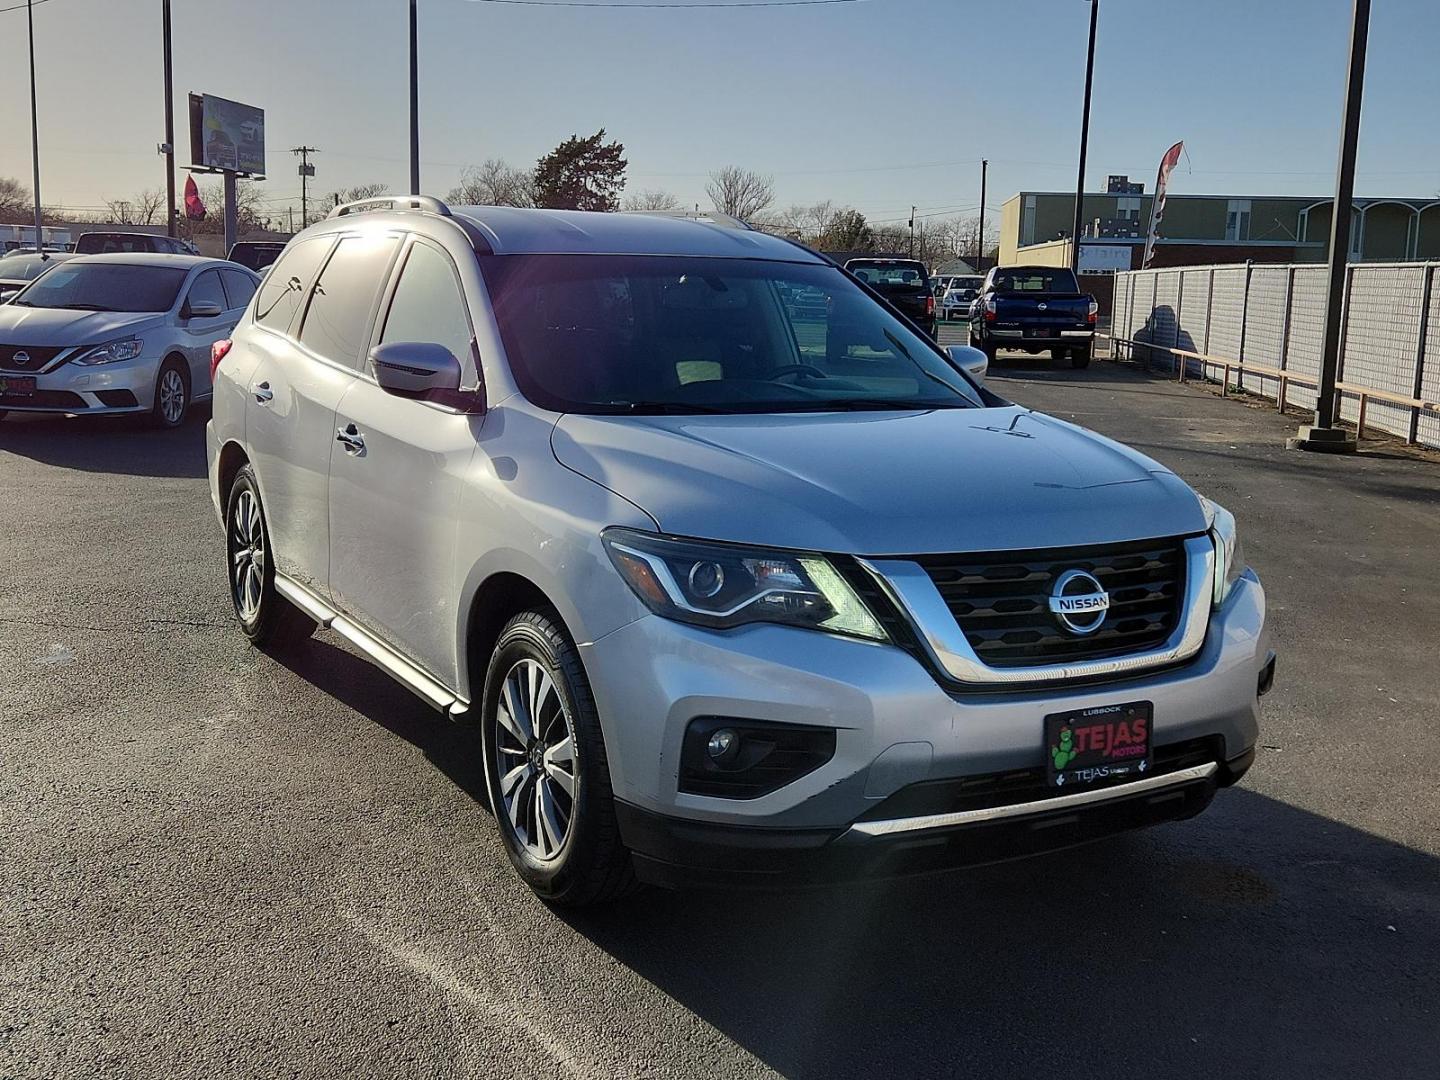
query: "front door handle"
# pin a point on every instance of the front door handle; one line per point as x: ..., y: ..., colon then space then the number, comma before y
x: 263, y: 393
x: 351, y: 439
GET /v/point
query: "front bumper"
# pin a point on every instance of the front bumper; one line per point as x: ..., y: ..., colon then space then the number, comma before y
x: 127, y: 386
x: 896, y: 728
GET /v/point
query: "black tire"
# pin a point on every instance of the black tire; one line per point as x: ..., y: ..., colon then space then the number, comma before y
x: 590, y: 865
x: 1080, y: 358
x: 977, y: 342
x: 273, y: 620
x: 172, y: 378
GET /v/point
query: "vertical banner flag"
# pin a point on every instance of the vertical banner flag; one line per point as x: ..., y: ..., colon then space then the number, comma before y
x: 194, y: 208
x: 1157, y: 206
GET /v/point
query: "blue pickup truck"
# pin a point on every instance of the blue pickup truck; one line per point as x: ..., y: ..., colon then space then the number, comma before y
x: 1034, y: 308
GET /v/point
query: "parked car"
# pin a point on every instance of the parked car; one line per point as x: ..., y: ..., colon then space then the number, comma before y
x: 905, y: 283
x: 18, y: 271
x: 960, y: 292
x: 726, y: 601
x: 109, y: 243
x: 256, y: 254
x: 1034, y: 308
x: 118, y: 334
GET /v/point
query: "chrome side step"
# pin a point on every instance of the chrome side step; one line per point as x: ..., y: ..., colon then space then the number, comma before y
x: 892, y: 826
x: 379, y: 653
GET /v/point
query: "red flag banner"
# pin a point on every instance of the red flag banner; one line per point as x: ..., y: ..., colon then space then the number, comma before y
x: 1157, y: 207
x: 194, y: 208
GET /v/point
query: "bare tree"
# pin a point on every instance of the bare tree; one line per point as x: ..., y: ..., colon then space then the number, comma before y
x: 740, y: 192
x: 16, y: 204
x: 651, y: 200
x: 362, y: 191
x: 145, y: 208
x: 493, y: 183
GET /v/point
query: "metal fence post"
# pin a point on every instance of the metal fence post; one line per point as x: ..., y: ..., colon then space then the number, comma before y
x: 1244, y: 321
x: 1427, y: 290
x: 1285, y: 336
x: 1179, y: 307
x: 1209, y: 309
x: 1154, y: 299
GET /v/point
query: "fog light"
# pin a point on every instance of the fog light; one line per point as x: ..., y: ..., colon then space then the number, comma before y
x: 722, y: 744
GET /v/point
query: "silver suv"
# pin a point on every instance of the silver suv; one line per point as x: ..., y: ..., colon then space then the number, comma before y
x: 734, y: 589
x: 119, y: 334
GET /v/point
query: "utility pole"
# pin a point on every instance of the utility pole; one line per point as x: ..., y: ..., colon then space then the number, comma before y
x: 1323, y: 435
x: 169, y: 146
x: 290, y: 219
x: 414, y: 104
x: 34, y: 127
x: 912, y: 232
x: 1084, y: 139
x: 980, y: 233
x: 306, y: 171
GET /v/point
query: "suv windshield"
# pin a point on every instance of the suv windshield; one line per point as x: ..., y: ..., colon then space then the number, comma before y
x: 104, y: 286
x: 651, y: 334
x: 1036, y: 279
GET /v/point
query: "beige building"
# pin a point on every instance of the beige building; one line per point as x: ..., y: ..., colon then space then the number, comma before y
x: 1264, y: 228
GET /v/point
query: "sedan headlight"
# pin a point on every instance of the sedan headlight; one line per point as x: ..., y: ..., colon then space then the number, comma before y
x: 726, y: 585
x: 114, y: 351
x: 1229, y: 555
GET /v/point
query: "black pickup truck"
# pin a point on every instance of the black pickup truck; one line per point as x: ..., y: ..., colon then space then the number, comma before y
x: 1034, y: 308
x: 903, y: 282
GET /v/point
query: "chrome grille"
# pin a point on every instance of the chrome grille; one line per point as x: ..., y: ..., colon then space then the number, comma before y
x: 1001, y: 600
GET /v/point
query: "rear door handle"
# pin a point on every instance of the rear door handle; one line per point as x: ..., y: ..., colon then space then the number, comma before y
x: 351, y: 439
x: 263, y: 393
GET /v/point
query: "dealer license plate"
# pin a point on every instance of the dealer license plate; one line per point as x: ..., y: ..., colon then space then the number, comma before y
x: 17, y: 385
x: 1103, y: 742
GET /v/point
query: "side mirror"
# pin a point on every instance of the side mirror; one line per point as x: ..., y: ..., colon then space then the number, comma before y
x: 974, y: 362
x: 202, y: 309
x: 416, y: 369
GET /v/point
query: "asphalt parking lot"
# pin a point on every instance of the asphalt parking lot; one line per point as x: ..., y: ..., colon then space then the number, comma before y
x: 220, y: 863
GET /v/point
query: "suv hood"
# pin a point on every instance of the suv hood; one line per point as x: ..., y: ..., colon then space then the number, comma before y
x: 59, y: 326
x: 903, y: 483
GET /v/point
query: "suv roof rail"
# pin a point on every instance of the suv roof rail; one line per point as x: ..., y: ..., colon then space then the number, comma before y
x: 713, y: 217
x: 426, y: 203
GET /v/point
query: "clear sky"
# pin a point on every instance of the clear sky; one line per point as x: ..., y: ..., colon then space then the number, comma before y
x: 878, y: 104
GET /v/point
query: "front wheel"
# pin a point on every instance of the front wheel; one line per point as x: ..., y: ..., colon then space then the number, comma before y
x: 546, y: 769
x: 172, y: 395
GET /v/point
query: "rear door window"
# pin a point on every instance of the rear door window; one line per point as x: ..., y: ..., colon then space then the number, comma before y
x: 344, y: 297
x: 287, y: 281
x: 238, y: 288
x: 428, y: 304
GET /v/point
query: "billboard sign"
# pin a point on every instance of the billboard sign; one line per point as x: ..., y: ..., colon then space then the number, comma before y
x: 226, y: 136
x: 1104, y: 258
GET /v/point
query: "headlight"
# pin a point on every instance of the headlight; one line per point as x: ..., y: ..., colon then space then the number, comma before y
x: 725, y: 585
x: 109, y: 354
x: 1229, y: 555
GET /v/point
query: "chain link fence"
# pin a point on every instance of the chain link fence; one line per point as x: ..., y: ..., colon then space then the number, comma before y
x: 1265, y: 324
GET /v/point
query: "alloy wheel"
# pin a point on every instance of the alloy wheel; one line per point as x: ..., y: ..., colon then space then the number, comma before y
x: 247, y: 556
x: 535, y: 760
x: 172, y: 395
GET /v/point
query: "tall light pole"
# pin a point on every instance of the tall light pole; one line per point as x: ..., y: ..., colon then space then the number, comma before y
x: 414, y: 105
x: 169, y: 128
x: 34, y: 126
x: 1084, y: 139
x: 1323, y: 435
x: 980, y: 232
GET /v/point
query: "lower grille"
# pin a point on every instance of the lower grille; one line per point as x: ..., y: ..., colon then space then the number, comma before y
x: 117, y: 399
x: 44, y: 399
x: 1001, y: 601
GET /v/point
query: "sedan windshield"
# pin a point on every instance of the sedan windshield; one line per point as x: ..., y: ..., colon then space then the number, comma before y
x: 652, y: 334
x: 105, y: 286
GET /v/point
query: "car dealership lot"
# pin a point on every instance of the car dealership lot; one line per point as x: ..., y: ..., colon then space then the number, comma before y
x: 220, y: 863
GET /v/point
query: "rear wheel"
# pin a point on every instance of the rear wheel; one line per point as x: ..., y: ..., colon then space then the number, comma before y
x: 172, y: 395
x: 265, y: 616
x: 1080, y: 358
x: 546, y: 769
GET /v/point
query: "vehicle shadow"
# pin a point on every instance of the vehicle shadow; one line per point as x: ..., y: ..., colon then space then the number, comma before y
x: 1257, y: 940
x: 453, y: 748
x: 109, y: 444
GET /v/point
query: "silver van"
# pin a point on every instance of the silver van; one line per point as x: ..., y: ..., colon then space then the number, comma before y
x: 731, y: 589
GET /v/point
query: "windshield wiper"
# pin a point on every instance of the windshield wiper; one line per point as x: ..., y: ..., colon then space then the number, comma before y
x: 82, y: 307
x: 679, y: 408
x: 876, y: 405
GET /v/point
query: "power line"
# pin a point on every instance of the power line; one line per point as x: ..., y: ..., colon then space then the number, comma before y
x: 652, y: 4
x: 22, y: 7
